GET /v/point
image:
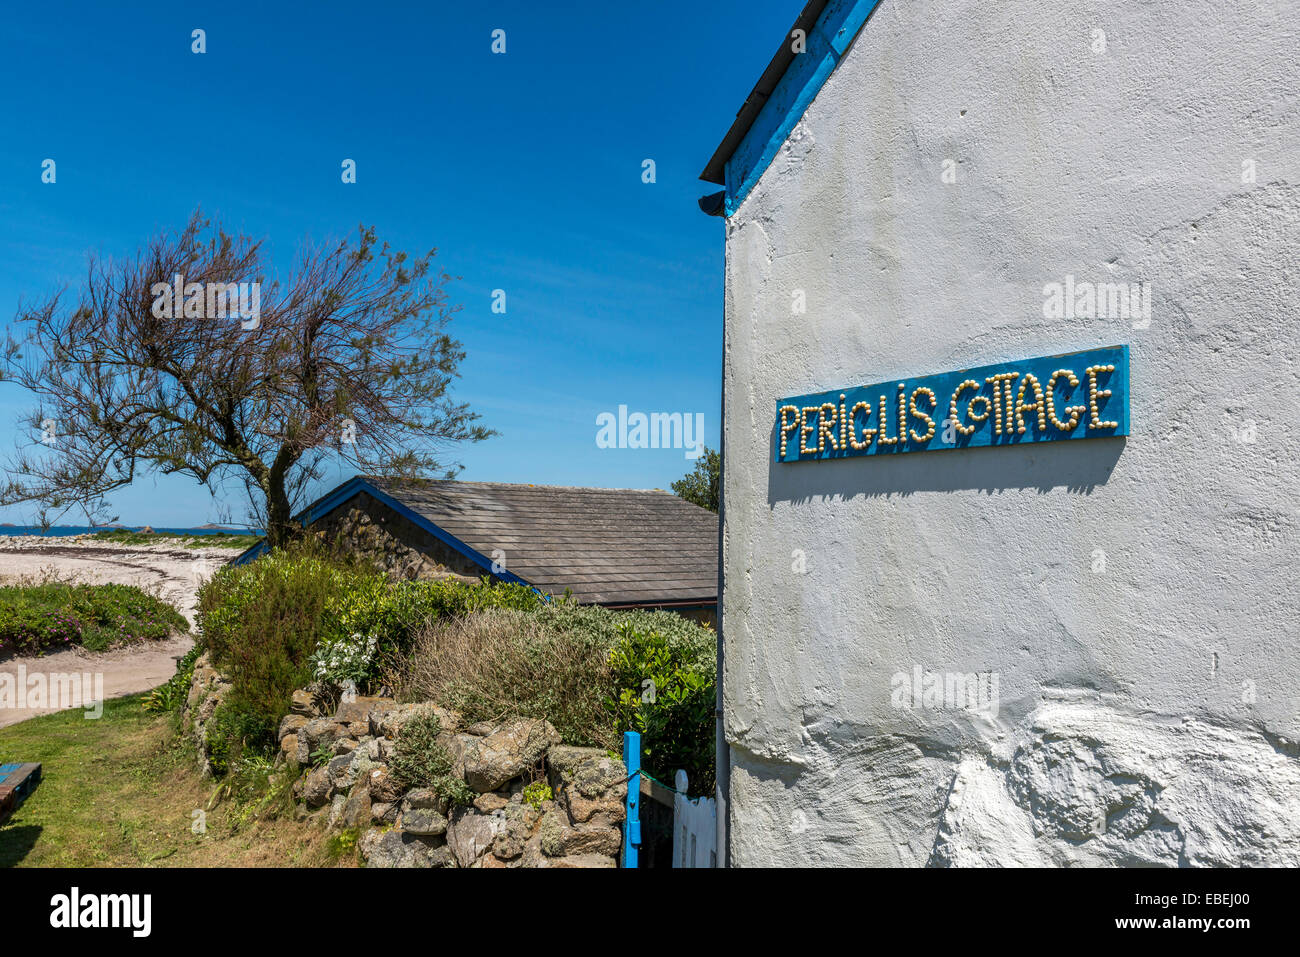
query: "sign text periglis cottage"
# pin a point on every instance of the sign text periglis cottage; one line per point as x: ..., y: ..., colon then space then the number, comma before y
x: 1079, y: 395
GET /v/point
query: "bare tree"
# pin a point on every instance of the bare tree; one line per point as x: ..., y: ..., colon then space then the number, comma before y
x: 350, y: 353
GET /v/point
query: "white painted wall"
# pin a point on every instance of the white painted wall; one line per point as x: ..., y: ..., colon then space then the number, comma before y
x: 1124, y: 695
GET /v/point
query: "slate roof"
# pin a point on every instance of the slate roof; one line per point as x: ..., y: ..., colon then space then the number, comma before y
x: 607, y: 546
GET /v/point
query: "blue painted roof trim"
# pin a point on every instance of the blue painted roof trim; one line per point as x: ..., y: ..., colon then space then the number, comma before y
x: 353, y: 487
x: 827, y: 42
x: 244, y: 557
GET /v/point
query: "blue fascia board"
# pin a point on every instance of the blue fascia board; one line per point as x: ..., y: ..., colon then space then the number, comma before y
x: 826, y: 44
x: 332, y: 500
x: 349, y: 489
x: 244, y: 557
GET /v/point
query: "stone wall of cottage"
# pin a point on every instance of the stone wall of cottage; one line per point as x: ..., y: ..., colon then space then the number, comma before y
x: 396, y: 544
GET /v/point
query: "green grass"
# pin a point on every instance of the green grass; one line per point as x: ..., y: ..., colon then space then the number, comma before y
x: 122, y: 791
x: 232, y: 540
x: 54, y: 614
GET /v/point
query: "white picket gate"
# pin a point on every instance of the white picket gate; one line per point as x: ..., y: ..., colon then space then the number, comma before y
x: 695, y: 828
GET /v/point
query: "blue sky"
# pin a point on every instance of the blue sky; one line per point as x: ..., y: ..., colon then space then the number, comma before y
x: 524, y: 169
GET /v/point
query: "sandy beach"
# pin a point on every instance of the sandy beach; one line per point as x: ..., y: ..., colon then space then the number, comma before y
x: 171, y: 572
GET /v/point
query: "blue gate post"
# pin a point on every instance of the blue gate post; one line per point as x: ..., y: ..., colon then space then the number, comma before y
x: 632, y: 823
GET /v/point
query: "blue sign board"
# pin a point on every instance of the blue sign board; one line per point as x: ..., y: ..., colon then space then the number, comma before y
x: 1080, y: 395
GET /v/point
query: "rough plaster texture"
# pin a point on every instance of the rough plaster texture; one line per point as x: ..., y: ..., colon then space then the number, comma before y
x: 1148, y: 711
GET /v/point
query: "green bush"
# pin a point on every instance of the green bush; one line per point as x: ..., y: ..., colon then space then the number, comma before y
x: 305, y: 614
x: 262, y: 622
x: 37, y: 618
x: 236, y: 732
x: 665, y: 689
x: 485, y: 650
x: 393, y: 612
x: 419, y: 761
x: 502, y: 662
x: 171, y: 695
x: 537, y: 794
x: 584, y: 669
x: 376, y: 620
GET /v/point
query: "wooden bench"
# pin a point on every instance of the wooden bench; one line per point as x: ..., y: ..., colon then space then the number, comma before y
x: 17, y: 782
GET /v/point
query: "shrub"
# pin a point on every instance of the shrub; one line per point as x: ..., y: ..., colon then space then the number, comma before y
x: 537, y: 794
x: 419, y: 761
x: 236, y: 733
x: 262, y: 622
x: 686, y: 637
x: 486, y: 650
x: 393, y: 612
x: 305, y: 613
x: 38, y: 617
x: 503, y: 662
x: 171, y: 695
x: 343, y: 660
x: 666, y: 690
x: 585, y: 670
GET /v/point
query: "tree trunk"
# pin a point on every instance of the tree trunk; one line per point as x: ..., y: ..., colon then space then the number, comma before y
x: 281, y: 529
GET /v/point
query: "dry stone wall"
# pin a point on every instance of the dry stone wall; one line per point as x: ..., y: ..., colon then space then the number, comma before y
x: 572, y: 815
x: 578, y: 825
x: 207, y: 690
